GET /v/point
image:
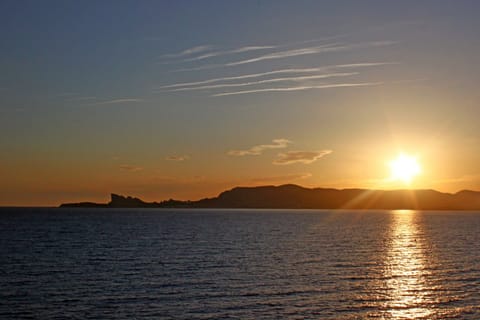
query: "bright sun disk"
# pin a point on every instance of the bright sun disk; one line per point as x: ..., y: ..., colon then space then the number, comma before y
x: 404, y: 168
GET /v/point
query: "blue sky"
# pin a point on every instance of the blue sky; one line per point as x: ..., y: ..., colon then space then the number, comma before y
x: 150, y: 97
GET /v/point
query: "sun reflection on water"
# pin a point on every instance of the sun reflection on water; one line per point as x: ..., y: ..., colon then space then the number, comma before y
x: 405, y: 270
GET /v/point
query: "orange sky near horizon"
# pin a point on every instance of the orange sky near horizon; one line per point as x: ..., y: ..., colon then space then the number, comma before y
x: 201, y: 97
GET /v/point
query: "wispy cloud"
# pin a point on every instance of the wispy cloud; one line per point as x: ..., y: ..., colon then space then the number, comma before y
x: 280, y: 71
x: 282, y: 178
x: 332, y: 47
x: 117, y: 101
x: 274, y: 55
x: 251, y: 83
x: 189, y: 51
x: 227, y: 52
x: 177, y: 158
x: 127, y: 167
x: 257, y: 150
x: 203, y: 48
x: 305, y: 157
x: 298, y: 88
x: 310, y: 50
x: 290, y: 53
x: 361, y: 65
x: 305, y: 77
x: 245, y: 76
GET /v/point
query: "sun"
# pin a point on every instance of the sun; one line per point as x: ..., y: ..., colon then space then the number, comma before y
x: 404, y: 168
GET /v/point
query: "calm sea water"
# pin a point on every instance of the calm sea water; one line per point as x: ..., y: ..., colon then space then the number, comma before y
x: 238, y: 264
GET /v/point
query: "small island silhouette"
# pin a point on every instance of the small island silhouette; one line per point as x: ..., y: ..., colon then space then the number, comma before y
x: 292, y: 196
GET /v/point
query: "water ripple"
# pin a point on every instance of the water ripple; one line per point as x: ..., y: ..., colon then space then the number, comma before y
x: 238, y: 264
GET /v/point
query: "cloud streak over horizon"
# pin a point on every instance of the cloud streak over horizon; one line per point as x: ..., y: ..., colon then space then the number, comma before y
x: 305, y: 157
x: 309, y: 50
x: 299, y: 88
x: 243, y: 84
x: 200, y: 49
x: 332, y: 47
x: 304, y: 77
x: 257, y: 150
x: 117, y: 101
x: 280, y: 71
x: 189, y: 51
x: 227, y: 52
x: 177, y: 158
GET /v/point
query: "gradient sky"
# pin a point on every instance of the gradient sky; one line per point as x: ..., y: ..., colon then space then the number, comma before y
x: 184, y: 99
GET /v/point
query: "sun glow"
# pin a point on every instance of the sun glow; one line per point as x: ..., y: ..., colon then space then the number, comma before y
x: 404, y: 168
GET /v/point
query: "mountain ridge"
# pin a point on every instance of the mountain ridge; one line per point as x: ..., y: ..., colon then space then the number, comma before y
x: 291, y: 196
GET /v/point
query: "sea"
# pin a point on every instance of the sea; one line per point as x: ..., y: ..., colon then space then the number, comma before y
x: 80, y: 263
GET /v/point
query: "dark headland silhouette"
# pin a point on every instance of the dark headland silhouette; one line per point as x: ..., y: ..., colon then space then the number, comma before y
x: 291, y: 196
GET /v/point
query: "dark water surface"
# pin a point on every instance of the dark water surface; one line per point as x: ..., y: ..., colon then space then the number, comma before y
x: 238, y: 264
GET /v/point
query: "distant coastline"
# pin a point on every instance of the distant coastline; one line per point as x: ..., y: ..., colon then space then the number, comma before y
x: 296, y: 197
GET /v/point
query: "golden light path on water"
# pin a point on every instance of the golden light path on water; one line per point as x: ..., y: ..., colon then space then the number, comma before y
x: 406, y: 269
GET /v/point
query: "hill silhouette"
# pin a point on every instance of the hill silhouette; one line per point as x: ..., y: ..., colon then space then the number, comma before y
x: 292, y: 196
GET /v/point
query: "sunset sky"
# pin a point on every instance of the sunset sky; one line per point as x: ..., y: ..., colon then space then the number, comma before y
x: 185, y: 99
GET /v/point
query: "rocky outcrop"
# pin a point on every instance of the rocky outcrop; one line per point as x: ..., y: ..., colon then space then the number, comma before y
x: 296, y: 197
